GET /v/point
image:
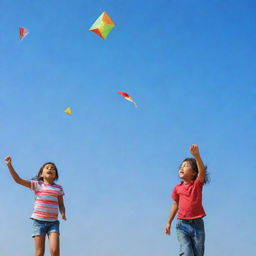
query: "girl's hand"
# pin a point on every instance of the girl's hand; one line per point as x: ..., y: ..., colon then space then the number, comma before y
x: 8, y: 160
x: 194, y: 150
x: 63, y: 216
x: 167, y: 229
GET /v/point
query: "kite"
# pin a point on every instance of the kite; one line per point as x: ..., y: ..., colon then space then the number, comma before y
x: 23, y: 32
x: 68, y: 111
x: 127, y: 97
x: 102, y: 26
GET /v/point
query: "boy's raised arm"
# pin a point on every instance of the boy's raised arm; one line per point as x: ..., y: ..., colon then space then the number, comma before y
x: 194, y: 150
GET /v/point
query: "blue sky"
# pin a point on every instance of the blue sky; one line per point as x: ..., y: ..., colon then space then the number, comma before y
x: 190, y: 66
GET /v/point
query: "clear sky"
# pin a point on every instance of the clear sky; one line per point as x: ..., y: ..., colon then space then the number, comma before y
x: 189, y: 65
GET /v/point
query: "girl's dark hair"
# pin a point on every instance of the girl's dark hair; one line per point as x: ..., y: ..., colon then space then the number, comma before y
x: 38, y: 177
x: 194, y: 167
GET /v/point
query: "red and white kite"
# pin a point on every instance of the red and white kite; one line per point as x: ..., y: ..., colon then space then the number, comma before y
x: 23, y: 32
x: 127, y: 97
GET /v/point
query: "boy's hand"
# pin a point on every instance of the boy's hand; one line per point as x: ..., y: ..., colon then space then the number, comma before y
x: 194, y: 150
x: 167, y: 229
x: 8, y: 160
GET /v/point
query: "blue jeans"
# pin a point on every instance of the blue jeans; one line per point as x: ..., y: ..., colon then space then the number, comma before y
x: 191, y: 237
x: 45, y: 227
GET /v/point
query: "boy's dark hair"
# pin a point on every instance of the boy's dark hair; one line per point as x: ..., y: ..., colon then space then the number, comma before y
x: 193, y: 164
x: 39, y: 178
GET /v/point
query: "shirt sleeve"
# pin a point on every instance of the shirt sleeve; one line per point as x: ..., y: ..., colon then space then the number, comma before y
x: 198, y: 183
x: 175, y: 195
x: 34, y: 185
x: 61, y: 193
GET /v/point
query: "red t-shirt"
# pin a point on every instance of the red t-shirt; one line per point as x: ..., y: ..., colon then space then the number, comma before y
x: 189, y: 199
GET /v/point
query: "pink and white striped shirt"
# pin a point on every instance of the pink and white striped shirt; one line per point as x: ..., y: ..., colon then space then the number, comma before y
x: 46, y: 206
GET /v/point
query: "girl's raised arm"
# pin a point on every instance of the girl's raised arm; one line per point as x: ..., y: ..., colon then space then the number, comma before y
x: 194, y: 150
x: 15, y: 175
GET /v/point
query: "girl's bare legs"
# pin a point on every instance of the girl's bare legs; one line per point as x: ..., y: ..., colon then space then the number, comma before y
x: 39, y: 245
x: 54, y: 243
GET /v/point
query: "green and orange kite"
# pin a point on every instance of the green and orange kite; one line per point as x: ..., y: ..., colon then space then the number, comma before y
x: 102, y: 26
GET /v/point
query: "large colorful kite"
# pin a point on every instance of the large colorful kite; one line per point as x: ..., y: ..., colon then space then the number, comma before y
x: 102, y: 26
x: 127, y: 97
x: 68, y: 111
x: 23, y: 32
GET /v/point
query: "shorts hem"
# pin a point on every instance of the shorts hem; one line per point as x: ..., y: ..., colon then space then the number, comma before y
x: 33, y: 236
x: 53, y: 232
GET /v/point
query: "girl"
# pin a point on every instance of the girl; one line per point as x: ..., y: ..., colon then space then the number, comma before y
x: 48, y: 198
x: 187, y: 202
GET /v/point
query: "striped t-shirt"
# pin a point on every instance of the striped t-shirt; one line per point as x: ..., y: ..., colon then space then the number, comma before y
x: 46, y: 205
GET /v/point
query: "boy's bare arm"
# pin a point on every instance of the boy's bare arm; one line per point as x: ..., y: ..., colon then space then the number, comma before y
x: 172, y: 214
x: 194, y: 149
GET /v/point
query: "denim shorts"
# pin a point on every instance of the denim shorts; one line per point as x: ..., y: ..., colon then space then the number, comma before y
x: 191, y: 237
x: 45, y: 227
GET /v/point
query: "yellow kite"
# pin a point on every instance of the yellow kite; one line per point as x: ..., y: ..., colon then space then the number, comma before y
x: 68, y: 111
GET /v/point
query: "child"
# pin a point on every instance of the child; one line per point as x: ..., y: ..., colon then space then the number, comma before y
x: 48, y: 198
x: 187, y: 202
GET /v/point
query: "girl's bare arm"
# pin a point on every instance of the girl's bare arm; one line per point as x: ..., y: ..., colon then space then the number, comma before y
x: 14, y: 174
x: 62, y: 208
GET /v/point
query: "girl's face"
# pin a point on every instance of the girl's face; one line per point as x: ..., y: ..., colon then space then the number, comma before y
x: 186, y: 172
x: 49, y: 173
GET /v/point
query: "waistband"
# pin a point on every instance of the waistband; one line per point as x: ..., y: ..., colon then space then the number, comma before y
x: 191, y: 221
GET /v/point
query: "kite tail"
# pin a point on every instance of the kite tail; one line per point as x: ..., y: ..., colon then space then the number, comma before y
x: 136, y: 106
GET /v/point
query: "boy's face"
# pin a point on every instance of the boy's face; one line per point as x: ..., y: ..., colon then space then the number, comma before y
x: 186, y: 172
x: 49, y: 172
